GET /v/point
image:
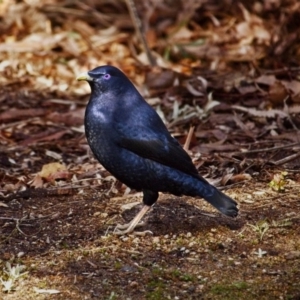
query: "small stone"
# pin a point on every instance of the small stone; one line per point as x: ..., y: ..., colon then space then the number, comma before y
x: 20, y: 254
x: 156, y: 240
x: 191, y: 244
x: 136, y: 240
x: 133, y: 284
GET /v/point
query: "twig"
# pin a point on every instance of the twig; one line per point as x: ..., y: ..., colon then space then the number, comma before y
x: 188, y: 139
x: 138, y: 27
x: 18, y: 223
x: 286, y: 159
x: 266, y: 149
x: 18, y: 227
x: 103, y: 18
x: 286, y: 109
x: 280, y: 71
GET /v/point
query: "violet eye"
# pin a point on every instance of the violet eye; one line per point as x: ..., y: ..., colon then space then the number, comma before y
x: 106, y: 76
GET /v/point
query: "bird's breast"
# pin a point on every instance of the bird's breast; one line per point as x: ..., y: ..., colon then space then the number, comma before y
x: 98, y: 116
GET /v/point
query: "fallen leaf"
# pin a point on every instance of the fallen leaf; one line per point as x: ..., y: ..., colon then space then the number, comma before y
x: 277, y: 93
x: 293, y: 86
x: 37, y: 182
x: 266, y: 79
x: 53, y: 171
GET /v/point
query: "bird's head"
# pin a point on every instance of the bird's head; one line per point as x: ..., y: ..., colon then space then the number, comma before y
x: 105, y: 78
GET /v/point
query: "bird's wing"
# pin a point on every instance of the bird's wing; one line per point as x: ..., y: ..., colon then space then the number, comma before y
x: 168, y: 153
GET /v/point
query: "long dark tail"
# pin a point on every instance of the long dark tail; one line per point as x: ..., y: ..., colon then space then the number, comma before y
x: 223, y: 203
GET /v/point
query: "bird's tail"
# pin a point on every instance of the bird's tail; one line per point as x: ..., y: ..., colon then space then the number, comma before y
x: 223, y: 203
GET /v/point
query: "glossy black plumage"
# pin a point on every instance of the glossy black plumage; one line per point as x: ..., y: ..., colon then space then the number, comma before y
x: 130, y: 140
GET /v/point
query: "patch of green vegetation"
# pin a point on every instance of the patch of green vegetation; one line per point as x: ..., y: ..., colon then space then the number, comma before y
x: 85, y: 253
x: 42, y: 284
x: 156, y: 287
x: 279, y: 182
x: 112, y: 296
x: 176, y: 273
x: 180, y: 242
x: 118, y: 265
x: 182, y: 276
x: 64, y: 245
x: 261, y: 227
x: 187, y: 277
x: 231, y: 291
x: 158, y: 271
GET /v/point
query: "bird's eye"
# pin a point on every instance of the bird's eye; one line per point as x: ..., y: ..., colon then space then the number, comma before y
x: 106, y: 76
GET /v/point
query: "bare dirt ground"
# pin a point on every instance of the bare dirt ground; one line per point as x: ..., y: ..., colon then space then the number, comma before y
x: 232, y: 73
x: 63, y: 235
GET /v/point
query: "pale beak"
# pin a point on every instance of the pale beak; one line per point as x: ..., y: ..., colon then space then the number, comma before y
x: 84, y: 76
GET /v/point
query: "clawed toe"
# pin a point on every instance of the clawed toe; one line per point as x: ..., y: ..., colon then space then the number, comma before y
x: 131, y: 230
x: 125, y: 226
x: 129, y: 227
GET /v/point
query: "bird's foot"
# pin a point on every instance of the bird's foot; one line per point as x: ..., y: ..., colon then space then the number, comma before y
x: 125, y: 226
x: 128, y: 228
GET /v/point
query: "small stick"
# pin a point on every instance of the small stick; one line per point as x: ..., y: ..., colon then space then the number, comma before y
x: 138, y: 28
x: 286, y: 159
x: 189, y: 138
x: 265, y: 149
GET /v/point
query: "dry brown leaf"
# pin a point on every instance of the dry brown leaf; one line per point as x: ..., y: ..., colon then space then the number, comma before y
x: 266, y: 79
x: 4, y: 5
x: 226, y: 178
x: 241, y: 177
x: 183, y: 34
x: 37, y: 182
x: 294, y: 109
x: 159, y: 78
x: 53, y: 171
x: 277, y: 93
x: 249, y: 89
x: 252, y: 28
x: 294, y: 87
x: 34, y: 42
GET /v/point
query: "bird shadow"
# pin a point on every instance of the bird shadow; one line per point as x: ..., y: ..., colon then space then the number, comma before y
x: 175, y: 216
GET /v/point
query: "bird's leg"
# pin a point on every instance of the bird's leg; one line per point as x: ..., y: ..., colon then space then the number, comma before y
x: 130, y: 226
x: 149, y: 199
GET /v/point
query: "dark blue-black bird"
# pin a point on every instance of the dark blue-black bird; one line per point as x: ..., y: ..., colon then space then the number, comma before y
x: 130, y: 140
